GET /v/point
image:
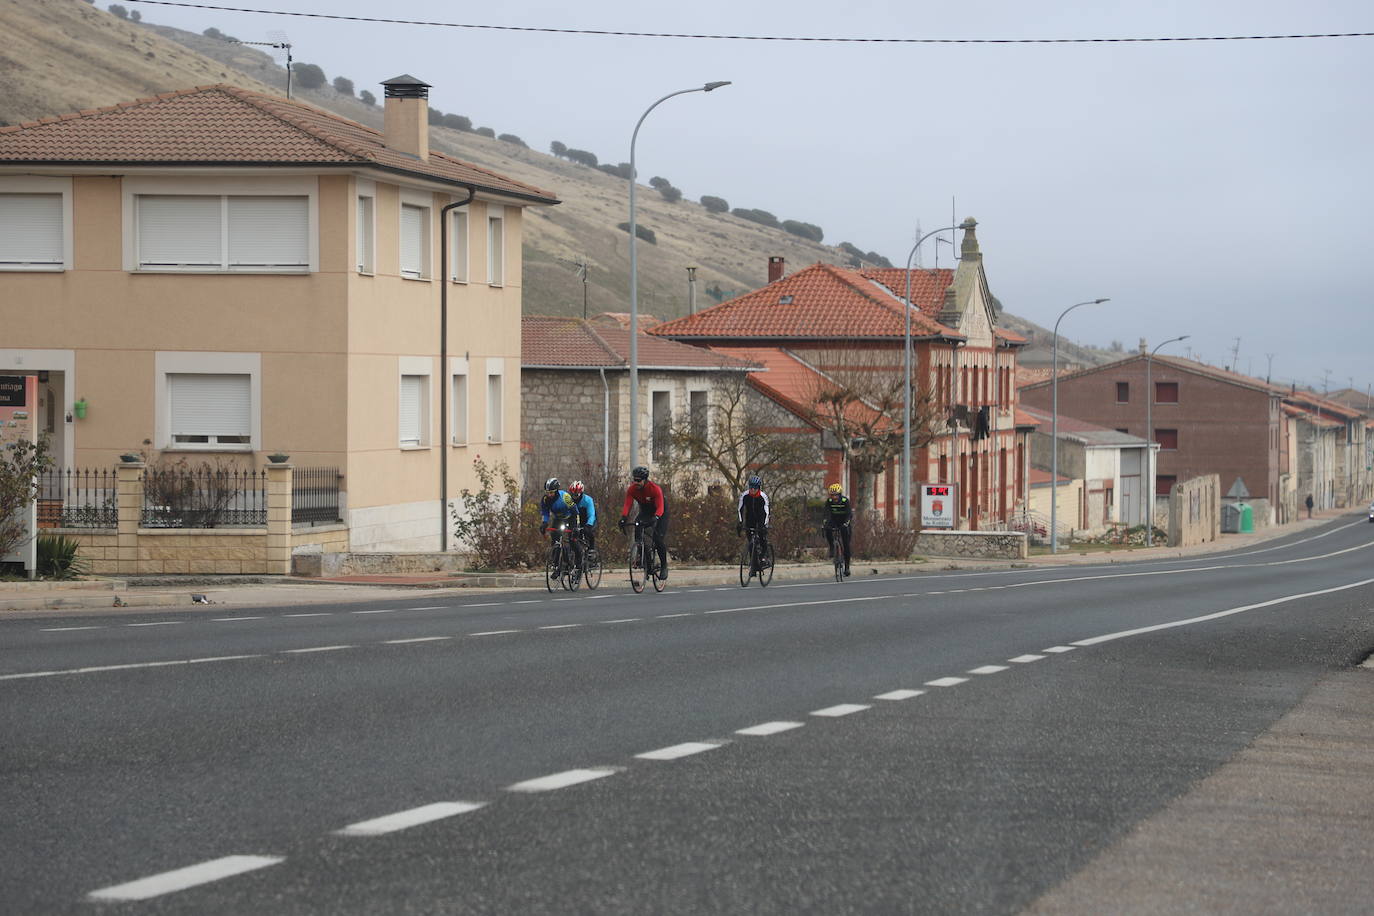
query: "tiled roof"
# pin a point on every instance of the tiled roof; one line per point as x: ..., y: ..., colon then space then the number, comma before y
x: 548, y: 342
x: 1024, y: 419
x: 228, y: 126
x: 817, y: 302
x: 1082, y: 430
x: 790, y: 381
x: 1173, y: 362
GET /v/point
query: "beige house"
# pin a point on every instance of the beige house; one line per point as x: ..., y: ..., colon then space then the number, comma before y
x: 219, y: 273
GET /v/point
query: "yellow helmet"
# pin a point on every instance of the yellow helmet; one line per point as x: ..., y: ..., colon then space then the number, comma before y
x: 836, y: 489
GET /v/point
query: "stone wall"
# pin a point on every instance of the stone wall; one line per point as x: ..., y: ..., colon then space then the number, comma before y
x: 332, y: 565
x: 563, y: 420
x: 973, y: 545
x: 1195, y: 511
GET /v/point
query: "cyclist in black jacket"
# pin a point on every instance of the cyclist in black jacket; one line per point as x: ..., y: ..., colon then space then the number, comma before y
x: 839, y: 517
x: 753, y: 514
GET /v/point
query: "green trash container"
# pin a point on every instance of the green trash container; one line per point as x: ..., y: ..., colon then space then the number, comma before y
x: 1247, y: 519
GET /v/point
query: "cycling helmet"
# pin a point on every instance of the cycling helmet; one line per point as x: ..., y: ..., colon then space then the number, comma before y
x: 836, y: 489
x: 576, y: 488
x: 640, y: 473
x: 755, y: 482
x: 552, y: 484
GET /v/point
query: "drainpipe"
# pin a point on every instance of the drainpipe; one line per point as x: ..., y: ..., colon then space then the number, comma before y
x: 443, y: 362
x: 605, y: 422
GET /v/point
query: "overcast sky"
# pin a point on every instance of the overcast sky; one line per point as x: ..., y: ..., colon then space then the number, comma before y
x: 1219, y: 189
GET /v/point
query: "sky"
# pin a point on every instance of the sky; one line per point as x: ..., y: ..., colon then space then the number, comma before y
x: 1219, y: 189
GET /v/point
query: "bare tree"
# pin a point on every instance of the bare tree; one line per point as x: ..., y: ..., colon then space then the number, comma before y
x: 857, y: 396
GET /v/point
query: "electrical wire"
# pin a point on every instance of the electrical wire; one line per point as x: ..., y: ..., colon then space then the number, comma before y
x: 710, y: 37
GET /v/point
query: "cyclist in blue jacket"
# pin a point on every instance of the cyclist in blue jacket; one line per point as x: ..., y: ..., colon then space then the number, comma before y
x: 586, y: 511
x: 555, y: 508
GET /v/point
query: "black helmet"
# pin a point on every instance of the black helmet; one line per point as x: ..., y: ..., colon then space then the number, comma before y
x: 552, y: 484
x: 640, y: 473
x: 755, y: 482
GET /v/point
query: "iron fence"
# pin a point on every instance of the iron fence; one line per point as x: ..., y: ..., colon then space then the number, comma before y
x: 205, y: 497
x: 78, y: 498
x: 315, y: 495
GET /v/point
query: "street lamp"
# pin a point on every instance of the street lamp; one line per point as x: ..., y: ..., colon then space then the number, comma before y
x: 1150, y: 438
x: 966, y: 225
x: 634, y: 273
x: 1054, y: 427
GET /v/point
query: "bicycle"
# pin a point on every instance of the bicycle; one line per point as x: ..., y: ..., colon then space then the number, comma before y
x: 755, y: 561
x: 643, y: 561
x: 836, y: 553
x: 591, y: 561
x: 565, y: 564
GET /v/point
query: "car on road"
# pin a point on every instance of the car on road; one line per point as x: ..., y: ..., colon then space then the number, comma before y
x: 1371, y: 512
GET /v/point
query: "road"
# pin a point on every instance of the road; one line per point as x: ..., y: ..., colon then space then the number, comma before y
x: 959, y: 741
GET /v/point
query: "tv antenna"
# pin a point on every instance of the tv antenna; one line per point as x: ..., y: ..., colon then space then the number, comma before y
x: 283, y: 45
x: 1235, y: 354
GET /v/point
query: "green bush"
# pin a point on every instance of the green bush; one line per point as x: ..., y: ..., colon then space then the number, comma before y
x: 715, y: 204
x: 343, y: 85
x: 367, y: 98
x: 308, y: 76
x: 59, y: 557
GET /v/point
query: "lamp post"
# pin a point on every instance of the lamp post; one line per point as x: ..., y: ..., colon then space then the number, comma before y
x: 1054, y: 426
x: 1150, y: 439
x: 906, y: 362
x: 634, y: 273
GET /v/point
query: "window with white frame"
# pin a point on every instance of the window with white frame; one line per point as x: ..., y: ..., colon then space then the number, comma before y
x: 660, y: 423
x: 210, y: 410
x: 249, y: 233
x: 414, y: 241
x: 496, y: 248
x: 495, y: 406
x: 458, y: 247
x: 367, y: 234
x: 414, y: 411
x: 32, y: 232
x: 459, y: 394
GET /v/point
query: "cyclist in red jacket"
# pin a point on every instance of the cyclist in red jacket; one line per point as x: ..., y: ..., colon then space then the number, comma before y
x: 653, y: 510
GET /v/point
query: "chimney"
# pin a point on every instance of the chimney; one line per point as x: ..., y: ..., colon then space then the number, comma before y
x: 775, y: 268
x: 968, y: 251
x: 406, y: 116
x: 691, y: 291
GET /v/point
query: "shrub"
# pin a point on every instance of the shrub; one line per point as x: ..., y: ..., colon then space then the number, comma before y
x: 670, y: 193
x: 308, y: 76
x: 135, y: 16
x: 20, y: 464
x: 435, y: 116
x: 181, y: 495
x: 512, y: 138
x: 558, y: 148
x: 494, y: 525
x: 803, y: 230
x: 876, y: 538
x: 762, y: 217
x: 658, y: 181
x: 59, y: 557
x: 641, y: 231
x: 119, y: 11
x: 367, y: 98
x: 485, y: 132
x: 715, y: 204
x: 582, y: 157
x: 457, y: 122
x: 343, y: 85
x: 617, y: 171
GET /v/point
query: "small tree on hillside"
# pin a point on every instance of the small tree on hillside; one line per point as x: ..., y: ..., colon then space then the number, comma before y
x: 343, y: 85
x: 457, y: 122
x: 119, y: 11
x: 367, y: 98
x: 308, y: 76
x: 558, y: 148
x: 715, y: 204
x: 803, y: 230
x: 512, y: 138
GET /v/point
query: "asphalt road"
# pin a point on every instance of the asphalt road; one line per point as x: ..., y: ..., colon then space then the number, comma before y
x: 946, y: 742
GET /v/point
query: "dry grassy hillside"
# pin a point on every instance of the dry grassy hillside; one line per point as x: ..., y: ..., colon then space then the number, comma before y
x: 65, y: 55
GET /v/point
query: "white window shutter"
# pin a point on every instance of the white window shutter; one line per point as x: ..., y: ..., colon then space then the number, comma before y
x: 31, y: 230
x: 179, y: 231
x: 216, y: 406
x: 410, y: 409
x: 412, y: 240
x: 364, y: 234
x: 269, y: 232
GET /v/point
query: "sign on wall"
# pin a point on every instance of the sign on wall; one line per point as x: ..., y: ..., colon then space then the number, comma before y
x: 938, y: 502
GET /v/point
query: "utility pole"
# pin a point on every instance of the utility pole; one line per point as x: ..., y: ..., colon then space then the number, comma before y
x: 1235, y: 354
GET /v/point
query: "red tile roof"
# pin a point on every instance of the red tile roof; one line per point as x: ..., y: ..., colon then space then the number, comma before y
x: 571, y: 343
x: 791, y: 381
x: 822, y: 302
x: 227, y: 126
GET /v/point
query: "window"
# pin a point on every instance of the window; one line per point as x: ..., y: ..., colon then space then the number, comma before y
x: 1167, y: 439
x: 414, y: 241
x: 494, y: 408
x: 210, y: 410
x: 223, y: 233
x: 660, y: 421
x: 367, y: 244
x: 459, y: 393
x: 414, y: 410
x: 699, y: 418
x: 1164, y: 484
x: 496, y: 250
x: 1166, y: 392
x: 1123, y: 392
x: 458, y: 247
x: 32, y: 233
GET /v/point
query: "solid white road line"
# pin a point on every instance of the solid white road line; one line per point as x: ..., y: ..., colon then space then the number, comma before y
x: 1058, y: 649
x: 414, y: 817
x: 315, y: 649
x: 899, y: 694
x: 182, y: 878
x: 769, y: 728
x: 946, y: 681
x: 400, y: 642
x: 1022, y: 659
x: 668, y: 616
x: 494, y: 632
x: 988, y: 669
x: 625, y: 620
x: 562, y: 780
x: 678, y: 750
x: 844, y: 709
x: 100, y: 668
x: 67, y: 629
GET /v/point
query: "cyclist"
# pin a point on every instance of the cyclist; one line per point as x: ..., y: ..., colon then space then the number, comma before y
x: 652, y: 508
x: 753, y: 515
x: 556, y: 506
x: 586, y: 512
x: 839, y: 516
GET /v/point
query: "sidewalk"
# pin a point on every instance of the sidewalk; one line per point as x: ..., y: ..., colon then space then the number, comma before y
x: 21, y: 599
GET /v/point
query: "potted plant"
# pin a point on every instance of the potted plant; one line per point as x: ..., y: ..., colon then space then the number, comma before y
x: 278, y: 457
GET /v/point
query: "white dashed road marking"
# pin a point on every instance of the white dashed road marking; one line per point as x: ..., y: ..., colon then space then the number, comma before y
x: 678, y: 750
x: 182, y: 878
x: 155, y: 623
x: 899, y: 695
x: 67, y: 629
x: 316, y: 649
x: 844, y: 709
x: 385, y: 610
x: 1057, y: 649
x: 562, y: 780
x: 560, y: 626
x: 625, y: 620
x: 1022, y: 659
x: 99, y: 668
x: 769, y: 728
x: 988, y: 669
x: 317, y: 614
x: 946, y: 681
x: 668, y: 616
x: 399, y: 642
x: 412, y: 818
x: 232, y: 619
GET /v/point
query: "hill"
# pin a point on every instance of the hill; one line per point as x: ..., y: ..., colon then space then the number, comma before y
x: 66, y: 55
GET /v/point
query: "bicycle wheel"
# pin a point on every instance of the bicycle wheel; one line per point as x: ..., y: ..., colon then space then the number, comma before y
x: 591, y: 568
x: 637, y: 570
x: 659, y: 582
x: 552, y: 573
x: 746, y: 566
x: 572, y: 567
x: 766, y: 567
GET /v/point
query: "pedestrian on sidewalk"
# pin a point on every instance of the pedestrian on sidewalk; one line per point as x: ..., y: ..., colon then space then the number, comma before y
x: 1309, y: 505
